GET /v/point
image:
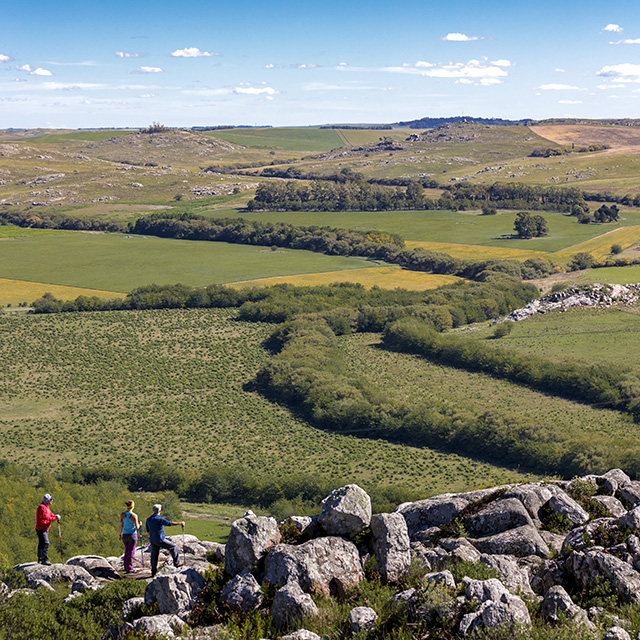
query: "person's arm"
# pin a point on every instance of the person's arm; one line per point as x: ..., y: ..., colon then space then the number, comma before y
x: 121, y: 525
x: 136, y: 521
x: 175, y: 524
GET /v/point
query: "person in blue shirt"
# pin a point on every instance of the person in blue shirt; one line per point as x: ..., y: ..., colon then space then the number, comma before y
x: 155, y: 525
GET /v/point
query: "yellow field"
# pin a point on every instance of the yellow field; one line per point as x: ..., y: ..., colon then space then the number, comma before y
x: 13, y: 292
x: 383, y: 277
x: 600, y: 247
x: 477, y: 252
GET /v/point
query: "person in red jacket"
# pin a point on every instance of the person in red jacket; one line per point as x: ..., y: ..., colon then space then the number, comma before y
x: 44, y: 518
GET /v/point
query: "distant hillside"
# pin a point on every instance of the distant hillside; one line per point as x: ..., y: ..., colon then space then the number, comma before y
x: 430, y: 123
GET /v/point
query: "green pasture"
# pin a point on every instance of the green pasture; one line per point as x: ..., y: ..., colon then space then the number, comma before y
x: 80, y: 136
x: 11, y: 232
x: 414, y: 380
x: 612, y: 275
x: 448, y: 226
x: 595, y: 336
x: 124, y: 388
x: 281, y: 138
x: 116, y: 262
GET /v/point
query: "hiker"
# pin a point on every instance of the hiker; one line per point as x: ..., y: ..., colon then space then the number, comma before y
x: 44, y: 518
x: 155, y: 528
x: 129, y: 525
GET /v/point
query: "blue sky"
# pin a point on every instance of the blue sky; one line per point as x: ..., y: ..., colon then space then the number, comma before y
x: 81, y: 64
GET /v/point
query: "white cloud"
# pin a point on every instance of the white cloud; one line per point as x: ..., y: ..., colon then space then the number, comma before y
x: 559, y: 87
x: 487, y: 82
x: 610, y: 86
x: 569, y: 101
x: 459, y: 37
x: 309, y: 65
x: 148, y: 95
x: 270, y: 66
x: 559, y: 70
x: 502, y: 63
x: 127, y: 54
x: 627, y: 41
x: 4, y: 58
x: 625, y: 72
x: 473, y: 70
x: 150, y: 70
x: 255, y: 91
x: 193, y: 52
x: 66, y: 86
x: 615, y: 28
x: 207, y: 92
x: 39, y: 71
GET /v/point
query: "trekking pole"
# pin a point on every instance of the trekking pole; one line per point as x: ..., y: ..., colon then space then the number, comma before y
x: 141, y: 549
x: 60, y: 536
x: 183, y: 540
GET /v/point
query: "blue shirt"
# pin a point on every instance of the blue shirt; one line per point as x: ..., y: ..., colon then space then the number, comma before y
x: 155, y: 527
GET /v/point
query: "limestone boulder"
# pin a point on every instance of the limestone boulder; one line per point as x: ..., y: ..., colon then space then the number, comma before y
x: 242, y: 593
x: 557, y: 605
x: 165, y: 625
x: 586, y: 566
x: 54, y: 572
x: 324, y: 565
x: 391, y: 545
x: 532, y: 496
x: 499, y: 516
x: 514, y: 577
x: 520, y: 542
x: 611, y: 504
x: 249, y: 541
x: 345, y: 511
x: 176, y: 593
x: 97, y: 566
x: 432, y: 512
x: 565, y: 506
x: 130, y: 606
x: 302, y: 634
x: 362, y: 619
x: 616, y: 633
x: 291, y: 605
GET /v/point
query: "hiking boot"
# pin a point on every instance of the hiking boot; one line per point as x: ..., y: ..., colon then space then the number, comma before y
x: 45, y: 562
x: 180, y: 564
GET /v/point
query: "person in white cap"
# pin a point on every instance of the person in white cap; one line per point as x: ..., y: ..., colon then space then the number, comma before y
x: 44, y: 518
x: 155, y: 525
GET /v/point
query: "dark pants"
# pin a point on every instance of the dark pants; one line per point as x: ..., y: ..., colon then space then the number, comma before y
x: 43, y: 545
x: 155, y: 551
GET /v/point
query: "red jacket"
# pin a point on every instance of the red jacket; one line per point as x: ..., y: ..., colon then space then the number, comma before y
x: 44, y: 517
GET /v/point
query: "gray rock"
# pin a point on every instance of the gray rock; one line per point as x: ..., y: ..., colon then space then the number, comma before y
x: 38, y: 583
x: 532, y: 496
x: 249, y: 541
x: 557, y: 605
x: 497, y: 517
x: 512, y: 576
x: 165, y: 624
x: 302, y: 634
x: 520, y: 542
x: 618, y: 475
x: 616, y: 633
x: 440, y: 577
x: 53, y: 573
x: 564, y: 505
x: 131, y: 605
x: 630, y: 519
x: 480, y: 591
x: 97, y: 566
x: 629, y: 494
x: 81, y: 586
x: 549, y: 574
x: 318, y: 566
x: 345, y: 511
x: 176, y: 593
x: 391, y: 545
x: 586, y: 566
x: 242, y: 593
x: 432, y: 512
x: 362, y: 619
x: 579, y: 538
x: 459, y: 550
x: 553, y: 540
x: 613, y: 505
x: 291, y: 605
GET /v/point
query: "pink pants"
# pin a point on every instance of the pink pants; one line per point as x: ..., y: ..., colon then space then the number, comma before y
x: 130, y: 540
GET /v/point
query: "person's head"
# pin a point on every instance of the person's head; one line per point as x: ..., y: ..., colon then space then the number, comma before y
x: 47, y: 499
x: 157, y: 508
x: 129, y: 504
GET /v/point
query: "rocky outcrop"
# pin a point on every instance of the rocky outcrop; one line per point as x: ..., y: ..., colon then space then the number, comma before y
x: 291, y: 605
x: 175, y: 594
x: 250, y: 539
x: 345, y: 511
x: 391, y: 545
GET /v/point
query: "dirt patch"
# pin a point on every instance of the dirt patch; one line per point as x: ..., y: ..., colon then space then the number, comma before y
x: 583, y: 135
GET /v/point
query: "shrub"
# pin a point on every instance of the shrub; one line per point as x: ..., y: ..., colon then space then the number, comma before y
x: 503, y: 329
x: 616, y: 249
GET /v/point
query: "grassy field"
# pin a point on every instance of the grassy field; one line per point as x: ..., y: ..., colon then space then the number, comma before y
x: 413, y: 379
x: 585, y: 335
x: 384, y: 277
x: 15, y: 292
x: 115, y: 262
x: 122, y: 388
x: 307, y: 140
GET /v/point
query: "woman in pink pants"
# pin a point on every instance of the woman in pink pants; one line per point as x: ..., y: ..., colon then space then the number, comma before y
x: 129, y: 525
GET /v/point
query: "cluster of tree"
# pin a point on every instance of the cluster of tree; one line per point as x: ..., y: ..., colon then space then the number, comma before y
x: 601, y: 216
x: 607, y: 196
x: 346, y: 174
x: 517, y: 195
x: 310, y: 376
x: 155, y: 127
x: 432, y: 123
x: 58, y: 220
x: 584, y: 260
x: 369, y: 244
x: 343, y: 193
x: 554, y: 151
x: 369, y: 127
x: 529, y: 225
x: 605, y: 385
